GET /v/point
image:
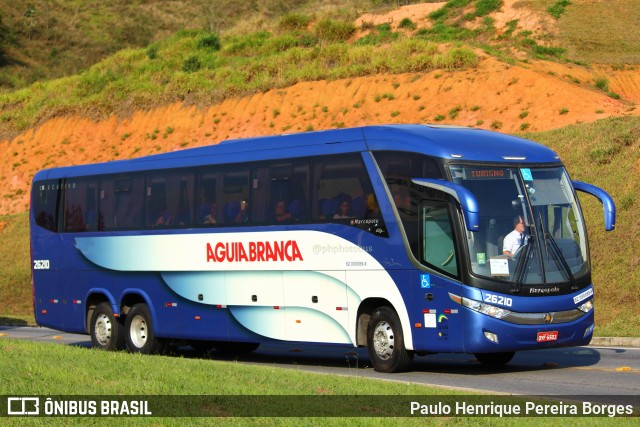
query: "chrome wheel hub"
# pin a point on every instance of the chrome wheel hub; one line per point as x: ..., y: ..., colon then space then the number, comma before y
x: 383, y: 340
x: 138, y: 331
x: 103, y: 329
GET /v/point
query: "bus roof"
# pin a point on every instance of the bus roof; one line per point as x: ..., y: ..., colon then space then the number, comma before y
x: 448, y: 142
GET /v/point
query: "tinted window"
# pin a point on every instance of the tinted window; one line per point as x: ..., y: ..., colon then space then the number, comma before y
x: 45, y: 201
x: 281, y: 193
x: 81, y: 205
x: 343, y: 193
x: 235, y: 196
x: 170, y: 200
x: 207, y: 213
x: 122, y: 202
x: 398, y: 168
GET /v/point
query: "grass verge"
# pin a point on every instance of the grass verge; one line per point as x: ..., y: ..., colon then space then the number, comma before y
x: 30, y: 368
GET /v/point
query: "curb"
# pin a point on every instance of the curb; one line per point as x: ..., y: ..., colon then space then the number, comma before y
x: 615, y: 342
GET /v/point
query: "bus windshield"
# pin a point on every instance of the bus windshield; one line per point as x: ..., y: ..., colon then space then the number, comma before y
x: 531, y: 230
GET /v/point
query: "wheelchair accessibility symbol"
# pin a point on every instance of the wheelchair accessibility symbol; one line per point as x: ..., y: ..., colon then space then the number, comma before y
x: 425, y: 281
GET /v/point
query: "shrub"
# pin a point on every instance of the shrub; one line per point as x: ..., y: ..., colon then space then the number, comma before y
x: 209, y: 42
x: 407, y: 24
x: 603, y: 156
x: 191, y: 64
x: 484, y: 7
x: 294, y: 21
x: 558, y: 8
x: 331, y: 30
x: 152, y: 52
x: 457, y: 58
x: 602, y: 83
x: 547, y: 50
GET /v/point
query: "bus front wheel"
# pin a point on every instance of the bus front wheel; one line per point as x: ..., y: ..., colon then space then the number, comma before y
x: 106, y: 331
x: 140, y: 335
x: 495, y: 359
x: 385, y: 342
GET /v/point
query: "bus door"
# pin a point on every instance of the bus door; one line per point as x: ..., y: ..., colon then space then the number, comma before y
x: 438, y: 316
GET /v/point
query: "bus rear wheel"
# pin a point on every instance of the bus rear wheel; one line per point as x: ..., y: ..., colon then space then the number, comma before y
x: 385, y: 342
x: 105, y: 329
x: 495, y: 359
x: 140, y: 335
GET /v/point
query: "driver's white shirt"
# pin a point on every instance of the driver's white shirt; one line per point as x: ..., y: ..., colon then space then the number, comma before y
x: 512, y: 242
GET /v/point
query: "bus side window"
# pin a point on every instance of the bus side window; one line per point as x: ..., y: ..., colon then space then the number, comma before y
x: 80, y: 212
x: 299, y: 193
x: 337, y: 182
x: 235, y: 197
x: 170, y: 200
x: 46, y: 201
x: 343, y: 193
x: 185, y: 200
x: 207, y: 212
x: 122, y: 202
x: 158, y: 214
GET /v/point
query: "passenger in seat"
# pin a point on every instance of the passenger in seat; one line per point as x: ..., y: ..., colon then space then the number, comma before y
x: 281, y: 214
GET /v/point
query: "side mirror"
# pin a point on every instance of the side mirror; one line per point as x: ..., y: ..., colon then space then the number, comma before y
x: 465, y: 198
x: 606, y: 200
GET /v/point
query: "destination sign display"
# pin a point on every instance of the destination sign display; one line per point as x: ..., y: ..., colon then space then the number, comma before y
x: 471, y: 173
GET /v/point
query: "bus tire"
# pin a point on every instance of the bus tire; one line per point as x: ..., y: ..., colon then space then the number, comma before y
x: 107, y: 332
x: 495, y: 359
x: 385, y: 342
x: 140, y: 335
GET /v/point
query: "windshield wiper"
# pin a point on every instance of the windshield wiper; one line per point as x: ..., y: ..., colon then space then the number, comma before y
x: 563, y: 261
x: 550, y: 242
x: 544, y: 236
x: 521, y: 266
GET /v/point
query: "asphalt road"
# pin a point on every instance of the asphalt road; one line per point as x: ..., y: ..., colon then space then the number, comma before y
x: 595, y: 373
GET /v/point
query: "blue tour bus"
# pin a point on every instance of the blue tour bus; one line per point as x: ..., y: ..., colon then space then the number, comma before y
x: 387, y: 237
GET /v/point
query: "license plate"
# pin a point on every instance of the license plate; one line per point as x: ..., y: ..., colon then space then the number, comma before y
x: 547, y: 336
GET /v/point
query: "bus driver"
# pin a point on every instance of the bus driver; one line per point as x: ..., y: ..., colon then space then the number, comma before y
x: 514, y: 240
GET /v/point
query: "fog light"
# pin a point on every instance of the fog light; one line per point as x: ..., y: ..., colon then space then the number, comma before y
x: 491, y: 337
x: 588, y: 331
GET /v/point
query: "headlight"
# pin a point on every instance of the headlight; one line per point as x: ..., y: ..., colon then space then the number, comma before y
x: 488, y: 309
x: 587, y: 306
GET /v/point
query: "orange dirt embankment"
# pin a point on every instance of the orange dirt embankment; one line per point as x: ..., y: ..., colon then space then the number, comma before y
x: 495, y: 95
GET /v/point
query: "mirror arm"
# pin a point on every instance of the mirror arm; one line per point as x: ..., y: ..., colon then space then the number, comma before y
x: 608, y: 205
x: 463, y: 196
